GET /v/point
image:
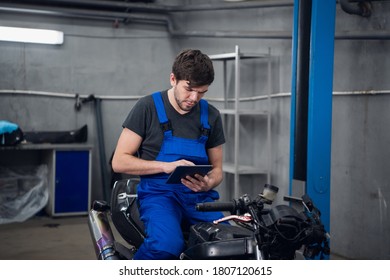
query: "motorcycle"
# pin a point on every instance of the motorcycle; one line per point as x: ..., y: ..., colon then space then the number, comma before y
x: 254, y: 230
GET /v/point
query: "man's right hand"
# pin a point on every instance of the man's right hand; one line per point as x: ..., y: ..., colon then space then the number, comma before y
x: 169, y: 167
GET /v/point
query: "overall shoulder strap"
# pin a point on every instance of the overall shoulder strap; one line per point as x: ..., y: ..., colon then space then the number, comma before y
x: 162, y: 116
x: 204, y: 119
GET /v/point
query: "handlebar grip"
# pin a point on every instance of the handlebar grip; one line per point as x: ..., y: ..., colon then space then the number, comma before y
x: 216, y: 206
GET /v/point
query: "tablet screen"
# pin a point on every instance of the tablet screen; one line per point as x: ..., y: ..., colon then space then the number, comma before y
x: 187, y: 170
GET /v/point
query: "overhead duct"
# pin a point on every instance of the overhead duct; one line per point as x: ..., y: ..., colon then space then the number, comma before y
x: 154, y: 8
x: 84, y: 13
x: 162, y: 15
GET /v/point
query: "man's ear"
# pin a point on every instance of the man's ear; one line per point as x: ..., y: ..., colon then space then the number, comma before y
x: 172, y: 79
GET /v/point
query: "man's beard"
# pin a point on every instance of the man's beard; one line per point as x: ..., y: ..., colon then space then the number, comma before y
x: 183, y: 105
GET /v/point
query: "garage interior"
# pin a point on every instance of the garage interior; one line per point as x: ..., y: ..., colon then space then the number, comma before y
x: 113, y: 52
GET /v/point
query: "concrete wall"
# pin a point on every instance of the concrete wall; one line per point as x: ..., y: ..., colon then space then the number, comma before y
x: 97, y: 59
x: 134, y: 60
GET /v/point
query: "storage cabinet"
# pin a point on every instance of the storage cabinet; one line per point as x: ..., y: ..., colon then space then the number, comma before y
x: 247, y: 126
x: 69, y: 173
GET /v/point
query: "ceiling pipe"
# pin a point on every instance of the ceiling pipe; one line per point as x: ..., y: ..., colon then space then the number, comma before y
x: 233, y: 34
x: 363, y: 35
x: 232, y: 6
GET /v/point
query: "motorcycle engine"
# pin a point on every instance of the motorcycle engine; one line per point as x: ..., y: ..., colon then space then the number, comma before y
x: 286, y: 232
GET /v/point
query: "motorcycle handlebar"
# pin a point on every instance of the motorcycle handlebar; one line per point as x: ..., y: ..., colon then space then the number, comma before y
x: 217, y: 206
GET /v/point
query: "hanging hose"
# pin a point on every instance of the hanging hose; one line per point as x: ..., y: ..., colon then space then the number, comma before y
x: 100, y: 134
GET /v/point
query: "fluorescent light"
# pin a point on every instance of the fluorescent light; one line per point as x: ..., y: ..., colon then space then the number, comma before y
x: 29, y: 35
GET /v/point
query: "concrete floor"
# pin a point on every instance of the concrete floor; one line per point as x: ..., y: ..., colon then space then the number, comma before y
x: 45, y: 238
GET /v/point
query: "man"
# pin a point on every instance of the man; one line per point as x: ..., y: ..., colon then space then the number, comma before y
x: 165, y: 130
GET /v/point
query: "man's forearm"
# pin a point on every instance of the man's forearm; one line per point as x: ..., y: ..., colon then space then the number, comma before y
x: 132, y: 165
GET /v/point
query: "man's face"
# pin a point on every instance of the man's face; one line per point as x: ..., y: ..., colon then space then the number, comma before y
x: 187, y: 96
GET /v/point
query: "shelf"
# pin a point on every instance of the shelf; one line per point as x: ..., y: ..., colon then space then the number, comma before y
x: 47, y: 146
x: 242, y: 112
x: 243, y: 169
x: 233, y: 108
x: 232, y: 56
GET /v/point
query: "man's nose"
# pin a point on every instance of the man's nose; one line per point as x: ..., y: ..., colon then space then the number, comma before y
x: 194, y: 95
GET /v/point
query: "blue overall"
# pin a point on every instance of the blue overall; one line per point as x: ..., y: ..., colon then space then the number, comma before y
x: 164, y: 207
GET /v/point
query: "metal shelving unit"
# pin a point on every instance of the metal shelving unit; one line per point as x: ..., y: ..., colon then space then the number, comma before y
x: 234, y: 167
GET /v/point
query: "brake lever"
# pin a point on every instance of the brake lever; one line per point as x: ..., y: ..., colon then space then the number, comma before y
x: 246, y: 218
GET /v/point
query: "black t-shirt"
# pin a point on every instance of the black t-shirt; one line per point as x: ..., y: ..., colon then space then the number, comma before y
x: 144, y: 121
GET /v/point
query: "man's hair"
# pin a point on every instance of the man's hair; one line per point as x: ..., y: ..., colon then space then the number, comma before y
x: 193, y: 66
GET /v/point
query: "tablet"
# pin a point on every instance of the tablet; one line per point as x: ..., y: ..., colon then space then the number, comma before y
x: 185, y: 170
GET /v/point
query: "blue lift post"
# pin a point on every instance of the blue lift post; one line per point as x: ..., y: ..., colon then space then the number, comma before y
x: 319, y: 111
